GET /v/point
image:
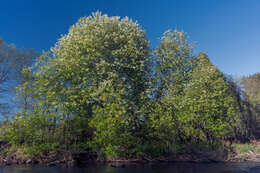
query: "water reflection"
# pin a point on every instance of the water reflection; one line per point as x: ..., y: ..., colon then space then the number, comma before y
x: 163, y: 168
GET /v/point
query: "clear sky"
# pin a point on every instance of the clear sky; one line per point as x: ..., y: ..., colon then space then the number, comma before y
x: 227, y: 30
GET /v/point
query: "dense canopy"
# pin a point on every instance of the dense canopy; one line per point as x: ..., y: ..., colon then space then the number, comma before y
x: 102, y: 89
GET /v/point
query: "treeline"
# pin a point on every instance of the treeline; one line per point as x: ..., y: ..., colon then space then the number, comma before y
x: 102, y: 88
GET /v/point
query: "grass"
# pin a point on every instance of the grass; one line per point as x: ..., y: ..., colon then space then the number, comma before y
x: 243, y: 150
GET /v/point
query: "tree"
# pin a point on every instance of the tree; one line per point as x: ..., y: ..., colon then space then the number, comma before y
x: 174, y: 63
x: 208, y: 106
x: 251, y: 86
x: 99, y: 56
x: 251, y: 93
x: 12, y: 61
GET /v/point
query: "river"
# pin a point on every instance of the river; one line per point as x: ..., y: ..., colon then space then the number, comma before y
x: 163, y: 168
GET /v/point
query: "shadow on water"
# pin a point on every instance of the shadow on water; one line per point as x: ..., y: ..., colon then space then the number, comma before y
x: 162, y: 168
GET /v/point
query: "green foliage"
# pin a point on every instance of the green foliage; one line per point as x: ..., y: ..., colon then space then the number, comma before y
x: 98, y: 91
x: 29, y: 130
x: 243, y: 150
x: 36, y: 150
x: 208, y: 105
x: 109, y: 122
x: 251, y: 85
x: 195, y: 103
x: 70, y: 88
x: 249, y: 107
x: 174, y: 62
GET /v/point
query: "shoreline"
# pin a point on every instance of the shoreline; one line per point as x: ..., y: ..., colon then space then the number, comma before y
x: 69, y: 158
x: 73, y: 160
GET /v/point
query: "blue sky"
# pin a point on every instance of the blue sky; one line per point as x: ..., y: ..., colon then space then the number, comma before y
x: 227, y: 30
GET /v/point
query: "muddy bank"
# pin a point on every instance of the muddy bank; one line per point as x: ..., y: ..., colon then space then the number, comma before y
x: 75, y: 158
x: 50, y: 158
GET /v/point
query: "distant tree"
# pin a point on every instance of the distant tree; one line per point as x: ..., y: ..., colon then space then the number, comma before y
x: 251, y: 93
x: 245, y: 120
x: 12, y: 62
x: 252, y: 87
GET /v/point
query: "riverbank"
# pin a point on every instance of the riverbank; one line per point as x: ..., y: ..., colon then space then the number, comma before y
x: 249, y: 152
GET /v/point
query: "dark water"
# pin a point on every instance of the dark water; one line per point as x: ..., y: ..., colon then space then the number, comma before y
x: 163, y: 168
